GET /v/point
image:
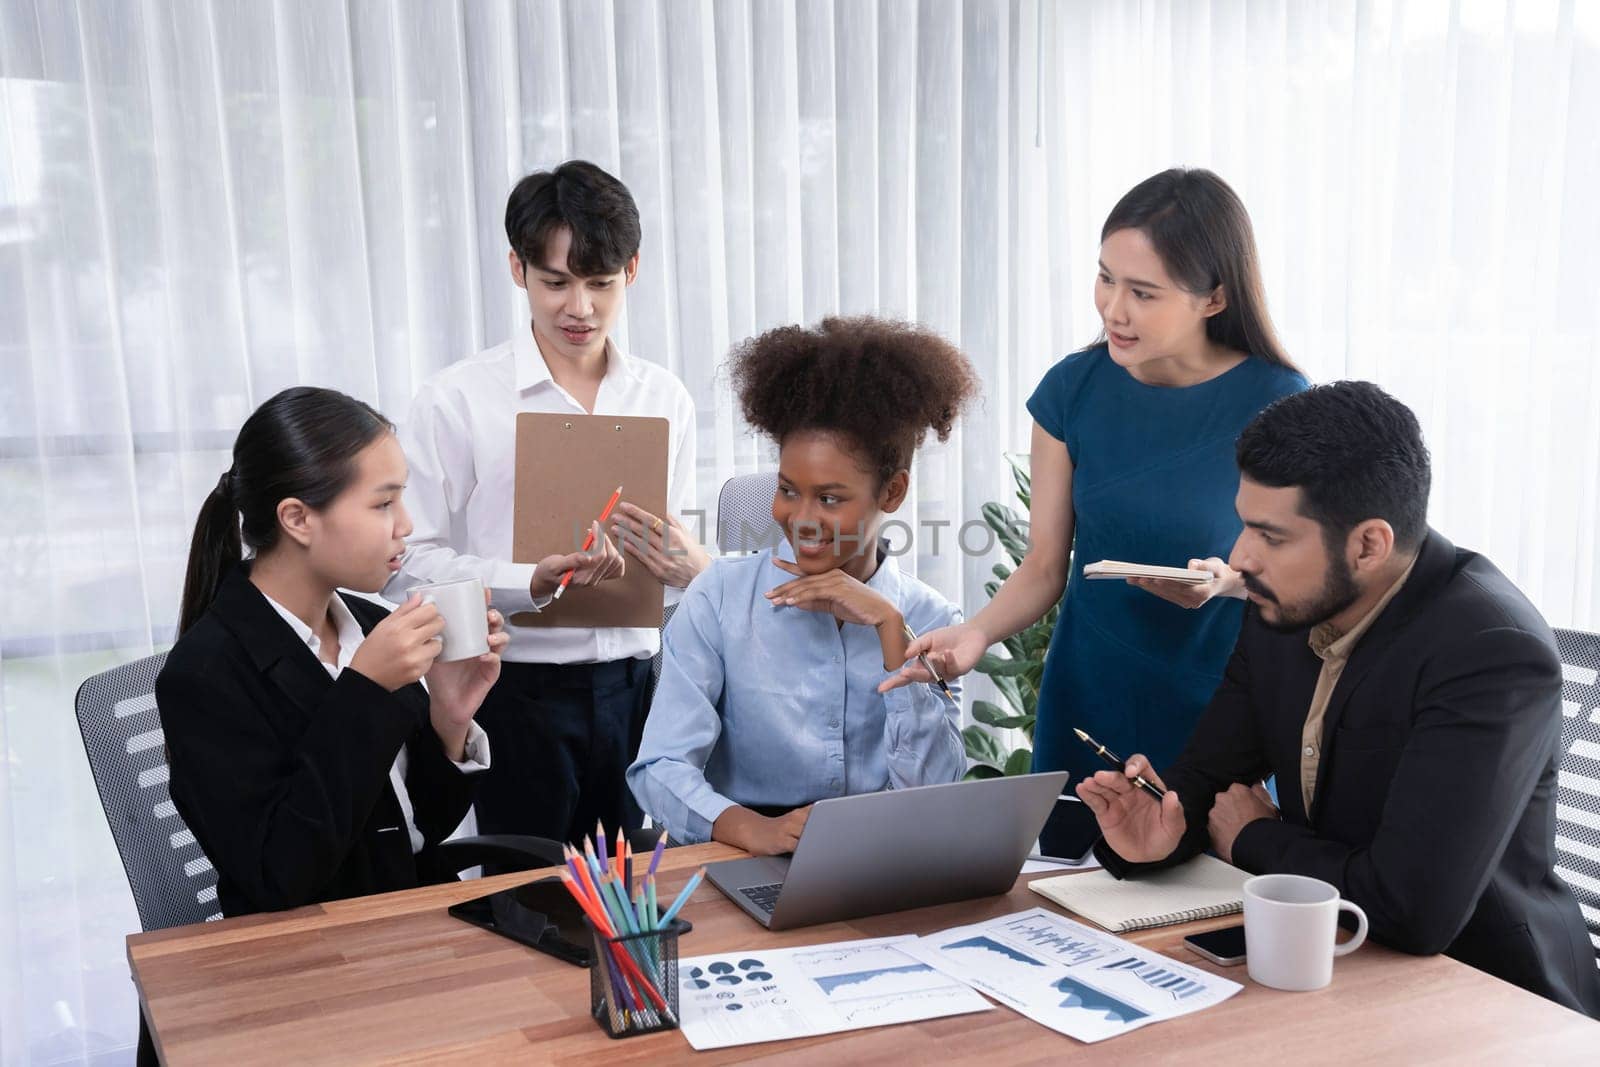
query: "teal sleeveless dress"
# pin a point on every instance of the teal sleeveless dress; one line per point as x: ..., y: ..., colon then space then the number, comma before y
x: 1153, y: 481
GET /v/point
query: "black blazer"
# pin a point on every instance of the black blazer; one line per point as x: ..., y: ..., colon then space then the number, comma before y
x: 1434, y: 808
x: 282, y: 772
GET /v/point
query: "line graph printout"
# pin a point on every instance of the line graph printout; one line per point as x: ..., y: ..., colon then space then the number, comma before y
x: 739, y: 998
x: 1077, y: 980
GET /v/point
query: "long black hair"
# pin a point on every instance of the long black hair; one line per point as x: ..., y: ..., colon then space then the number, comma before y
x: 303, y: 444
x: 1202, y: 233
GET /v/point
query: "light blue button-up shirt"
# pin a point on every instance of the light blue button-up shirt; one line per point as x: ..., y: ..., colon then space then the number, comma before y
x: 763, y: 705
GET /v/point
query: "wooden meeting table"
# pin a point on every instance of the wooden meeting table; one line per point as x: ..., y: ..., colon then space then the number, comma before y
x: 394, y: 978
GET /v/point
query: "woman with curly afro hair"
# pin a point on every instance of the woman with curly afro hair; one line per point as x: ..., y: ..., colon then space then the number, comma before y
x: 769, y: 695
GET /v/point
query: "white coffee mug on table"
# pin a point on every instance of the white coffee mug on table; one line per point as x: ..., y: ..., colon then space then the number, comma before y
x: 1290, y: 922
x: 466, y: 617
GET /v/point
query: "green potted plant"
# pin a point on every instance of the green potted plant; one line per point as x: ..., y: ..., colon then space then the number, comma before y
x: 1017, y: 674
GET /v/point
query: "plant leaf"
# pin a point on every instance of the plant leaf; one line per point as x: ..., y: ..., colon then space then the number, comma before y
x: 989, y: 714
x: 1009, y: 689
x: 1008, y: 528
x: 995, y: 667
x: 1019, y: 762
x: 982, y: 746
x: 980, y: 770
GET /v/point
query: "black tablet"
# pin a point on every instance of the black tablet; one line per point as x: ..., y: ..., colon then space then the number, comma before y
x: 541, y: 915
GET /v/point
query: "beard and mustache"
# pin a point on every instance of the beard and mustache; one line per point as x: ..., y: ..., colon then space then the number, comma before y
x: 1339, y: 591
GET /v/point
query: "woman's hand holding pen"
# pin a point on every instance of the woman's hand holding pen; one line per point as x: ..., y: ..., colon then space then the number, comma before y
x: 402, y: 647
x: 668, y: 551
x: 1140, y: 828
x: 599, y: 564
x: 951, y: 650
x: 456, y: 689
x: 1225, y: 581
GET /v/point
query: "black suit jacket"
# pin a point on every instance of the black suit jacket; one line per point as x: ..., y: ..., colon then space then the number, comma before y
x: 1434, y: 807
x: 282, y: 772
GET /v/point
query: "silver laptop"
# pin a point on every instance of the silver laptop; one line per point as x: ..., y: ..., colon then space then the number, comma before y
x: 904, y: 848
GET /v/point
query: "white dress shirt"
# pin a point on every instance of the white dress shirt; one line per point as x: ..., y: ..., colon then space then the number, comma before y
x: 350, y: 638
x: 460, y: 442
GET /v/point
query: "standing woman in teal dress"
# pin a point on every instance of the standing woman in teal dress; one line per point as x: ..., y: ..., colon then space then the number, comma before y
x: 1132, y: 459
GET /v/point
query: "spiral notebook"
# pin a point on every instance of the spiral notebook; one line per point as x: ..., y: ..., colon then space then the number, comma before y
x: 1203, y: 888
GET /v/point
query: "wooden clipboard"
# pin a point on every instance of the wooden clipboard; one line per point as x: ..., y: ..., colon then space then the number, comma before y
x: 567, y: 467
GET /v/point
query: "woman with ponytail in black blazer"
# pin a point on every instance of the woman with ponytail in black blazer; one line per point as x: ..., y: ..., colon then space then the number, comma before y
x: 306, y: 754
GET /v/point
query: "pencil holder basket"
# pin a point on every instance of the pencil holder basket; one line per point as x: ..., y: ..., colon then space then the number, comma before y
x: 633, y: 983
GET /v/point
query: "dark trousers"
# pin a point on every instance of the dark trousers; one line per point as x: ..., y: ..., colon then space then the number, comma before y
x: 561, y: 737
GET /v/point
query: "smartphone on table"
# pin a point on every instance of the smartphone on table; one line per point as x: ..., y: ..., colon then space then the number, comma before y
x: 1224, y: 946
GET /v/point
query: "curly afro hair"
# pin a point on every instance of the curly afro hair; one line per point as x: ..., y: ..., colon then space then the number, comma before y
x: 877, y: 383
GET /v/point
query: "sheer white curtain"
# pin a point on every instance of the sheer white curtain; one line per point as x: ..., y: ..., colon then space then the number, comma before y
x: 203, y: 202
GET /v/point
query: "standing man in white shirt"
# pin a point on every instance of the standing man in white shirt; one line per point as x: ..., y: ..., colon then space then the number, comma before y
x: 569, y: 708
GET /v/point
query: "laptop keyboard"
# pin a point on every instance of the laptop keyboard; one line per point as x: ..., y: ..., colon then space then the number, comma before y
x: 764, y: 897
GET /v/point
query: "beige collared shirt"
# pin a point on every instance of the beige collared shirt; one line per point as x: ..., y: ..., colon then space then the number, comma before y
x: 1334, y: 649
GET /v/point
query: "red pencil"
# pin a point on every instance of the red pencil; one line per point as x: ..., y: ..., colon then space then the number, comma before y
x: 588, y: 541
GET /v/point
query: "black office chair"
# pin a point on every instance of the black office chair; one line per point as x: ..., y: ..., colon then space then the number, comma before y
x: 172, y: 881
x: 1578, y: 787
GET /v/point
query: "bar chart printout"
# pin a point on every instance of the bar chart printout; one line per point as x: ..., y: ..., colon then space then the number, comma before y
x: 739, y: 998
x: 1077, y: 980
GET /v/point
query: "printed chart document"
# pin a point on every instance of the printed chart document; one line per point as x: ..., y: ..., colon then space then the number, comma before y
x: 1072, y: 978
x: 739, y: 998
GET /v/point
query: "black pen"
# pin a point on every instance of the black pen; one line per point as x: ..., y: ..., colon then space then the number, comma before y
x: 1114, y: 760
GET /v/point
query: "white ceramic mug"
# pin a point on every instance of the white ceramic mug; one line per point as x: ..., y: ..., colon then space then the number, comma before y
x: 1289, y: 927
x: 466, y: 617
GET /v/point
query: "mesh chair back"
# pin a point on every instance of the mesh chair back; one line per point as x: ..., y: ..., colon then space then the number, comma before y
x: 172, y: 881
x: 655, y: 661
x: 1578, y: 788
x: 744, y: 513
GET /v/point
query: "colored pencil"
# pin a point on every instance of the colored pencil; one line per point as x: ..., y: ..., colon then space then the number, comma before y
x: 599, y: 838
x: 588, y: 543
x: 682, y: 898
x: 622, y: 912
x: 594, y: 865
x: 655, y: 856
